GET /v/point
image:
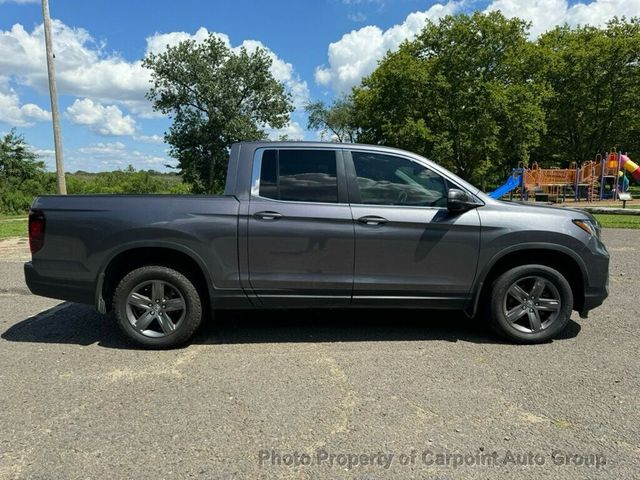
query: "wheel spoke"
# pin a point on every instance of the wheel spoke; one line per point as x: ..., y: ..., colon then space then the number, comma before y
x: 165, y: 323
x: 174, y: 304
x: 145, y: 319
x: 138, y: 300
x: 534, y: 320
x: 515, y: 313
x: 157, y: 290
x: 548, y: 305
x: 518, y: 293
x: 538, y: 288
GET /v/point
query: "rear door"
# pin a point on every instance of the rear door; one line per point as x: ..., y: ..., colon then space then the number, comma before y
x: 410, y: 250
x: 300, y: 229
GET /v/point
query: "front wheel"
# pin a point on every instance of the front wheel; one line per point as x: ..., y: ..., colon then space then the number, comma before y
x: 530, y: 304
x: 157, y: 307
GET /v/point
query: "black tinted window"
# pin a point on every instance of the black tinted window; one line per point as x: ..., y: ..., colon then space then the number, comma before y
x: 299, y: 175
x: 269, y: 174
x: 389, y: 180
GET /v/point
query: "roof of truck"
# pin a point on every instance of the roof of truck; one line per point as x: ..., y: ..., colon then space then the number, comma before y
x: 309, y: 143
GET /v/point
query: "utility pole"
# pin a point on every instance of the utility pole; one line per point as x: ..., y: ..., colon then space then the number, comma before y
x: 55, y: 114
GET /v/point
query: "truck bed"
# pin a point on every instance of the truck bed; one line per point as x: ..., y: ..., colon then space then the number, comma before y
x: 85, y: 232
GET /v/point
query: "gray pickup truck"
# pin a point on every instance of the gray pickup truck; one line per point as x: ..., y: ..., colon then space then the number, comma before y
x: 304, y: 224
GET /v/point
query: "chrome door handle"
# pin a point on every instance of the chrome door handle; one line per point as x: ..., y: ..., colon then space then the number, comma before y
x: 372, y: 220
x: 267, y: 215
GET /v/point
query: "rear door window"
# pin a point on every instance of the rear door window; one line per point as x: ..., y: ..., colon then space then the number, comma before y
x: 299, y: 175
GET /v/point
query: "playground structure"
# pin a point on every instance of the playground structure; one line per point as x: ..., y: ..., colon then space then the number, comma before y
x: 596, y: 179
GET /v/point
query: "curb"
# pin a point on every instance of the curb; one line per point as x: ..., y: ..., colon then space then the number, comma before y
x: 614, y: 211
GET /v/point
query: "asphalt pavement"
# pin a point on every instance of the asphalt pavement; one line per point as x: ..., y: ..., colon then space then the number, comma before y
x: 319, y: 394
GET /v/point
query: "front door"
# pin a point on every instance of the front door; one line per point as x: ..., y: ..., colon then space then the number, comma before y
x: 300, y: 235
x: 410, y: 250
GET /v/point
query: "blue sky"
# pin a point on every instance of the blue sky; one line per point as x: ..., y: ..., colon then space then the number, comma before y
x: 320, y: 49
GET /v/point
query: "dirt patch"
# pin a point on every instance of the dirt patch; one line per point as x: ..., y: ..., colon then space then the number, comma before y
x: 16, y: 248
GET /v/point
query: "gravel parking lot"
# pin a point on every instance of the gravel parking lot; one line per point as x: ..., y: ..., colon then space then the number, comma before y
x: 319, y: 394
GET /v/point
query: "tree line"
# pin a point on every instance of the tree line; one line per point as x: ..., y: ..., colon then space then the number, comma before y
x: 478, y: 95
x: 23, y: 176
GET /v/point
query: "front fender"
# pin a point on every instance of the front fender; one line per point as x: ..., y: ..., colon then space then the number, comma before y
x: 519, y: 247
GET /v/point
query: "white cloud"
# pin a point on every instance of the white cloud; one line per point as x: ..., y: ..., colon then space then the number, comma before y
x: 546, y: 14
x: 103, y: 148
x: 357, y: 53
x: 85, y: 69
x: 158, y: 139
x: 16, y: 115
x: 82, y: 66
x: 112, y: 156
x: 293, y: 131
x: 158, y: 42
x: 103, y: 120
x: 111, y: 89
x: 45, y: 153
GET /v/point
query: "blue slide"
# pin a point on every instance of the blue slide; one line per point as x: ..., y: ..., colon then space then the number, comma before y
x: 512, y: 183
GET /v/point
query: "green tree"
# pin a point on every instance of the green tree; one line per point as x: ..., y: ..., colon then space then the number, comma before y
x: 466, y: 92
x: 18, y: 163
x: 335, y: 121
x: 22, y: 175
x: 595, y: 77
x: 216, y: 96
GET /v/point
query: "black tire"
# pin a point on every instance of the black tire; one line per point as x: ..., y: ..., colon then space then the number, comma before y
x: 539, y: 316
x: 172, y: 325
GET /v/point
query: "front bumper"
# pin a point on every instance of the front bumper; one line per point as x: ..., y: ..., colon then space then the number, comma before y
x: 596, y: 289
x: 594, y: 297
x: 596, y: 293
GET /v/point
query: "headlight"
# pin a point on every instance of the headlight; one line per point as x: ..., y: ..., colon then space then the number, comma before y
x: 591, y: 226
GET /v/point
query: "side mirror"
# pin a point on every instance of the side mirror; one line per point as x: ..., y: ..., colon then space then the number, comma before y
x: 459, y: 201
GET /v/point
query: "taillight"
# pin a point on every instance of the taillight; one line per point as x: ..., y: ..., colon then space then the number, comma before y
x: 36, y: 230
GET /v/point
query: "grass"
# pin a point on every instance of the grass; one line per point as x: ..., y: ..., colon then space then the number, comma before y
x: 618, y: 221
x: 13, y: 227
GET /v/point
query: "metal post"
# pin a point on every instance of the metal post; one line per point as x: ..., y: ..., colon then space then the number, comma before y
x: 616, y: 178
x: 602, y: 172
x: 513, y: 172
x: 522, y: 193
x: 55, y: 114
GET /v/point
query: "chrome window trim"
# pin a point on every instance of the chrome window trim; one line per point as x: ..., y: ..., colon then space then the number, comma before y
x: 257, y: 170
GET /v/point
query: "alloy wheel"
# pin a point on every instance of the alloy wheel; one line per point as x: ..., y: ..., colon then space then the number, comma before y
x: 155, y: 308
x: 532, y: 304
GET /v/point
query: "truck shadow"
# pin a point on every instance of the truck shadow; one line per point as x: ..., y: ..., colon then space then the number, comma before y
x: 75, y: 324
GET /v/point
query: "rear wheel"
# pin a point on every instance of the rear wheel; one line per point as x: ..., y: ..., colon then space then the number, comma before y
x: 530, y: 304
x: 157, y: 307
